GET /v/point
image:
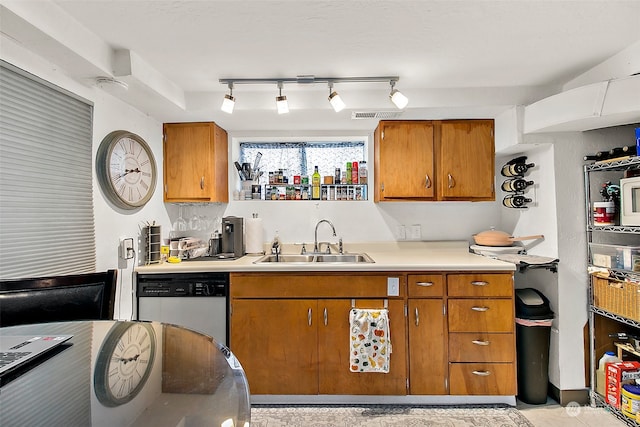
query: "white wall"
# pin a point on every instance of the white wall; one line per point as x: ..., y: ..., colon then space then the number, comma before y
x: 558, y: 212
x: 109, y: 114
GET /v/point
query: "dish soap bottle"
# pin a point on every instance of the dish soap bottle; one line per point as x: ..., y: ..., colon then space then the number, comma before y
x: 315, y: 184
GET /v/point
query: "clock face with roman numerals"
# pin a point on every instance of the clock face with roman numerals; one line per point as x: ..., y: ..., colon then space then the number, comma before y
x: 124, y: 362
x: 126, y: 169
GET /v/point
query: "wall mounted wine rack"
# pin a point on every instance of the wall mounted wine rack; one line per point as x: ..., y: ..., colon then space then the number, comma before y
x: 516, y: 184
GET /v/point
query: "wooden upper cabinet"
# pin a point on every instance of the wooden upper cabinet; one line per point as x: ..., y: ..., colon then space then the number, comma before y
x: 434, y: 160
x: 467, y: 159
x: 195, y: 162
x: 404, y: 160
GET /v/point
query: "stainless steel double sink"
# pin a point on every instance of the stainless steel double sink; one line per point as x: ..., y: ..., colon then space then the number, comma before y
x: 315, y: 258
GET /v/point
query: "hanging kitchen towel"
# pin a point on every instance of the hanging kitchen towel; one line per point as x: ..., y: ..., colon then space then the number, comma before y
x: 369, y: 342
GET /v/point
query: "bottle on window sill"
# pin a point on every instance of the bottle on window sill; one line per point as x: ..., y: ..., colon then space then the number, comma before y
x: 315, y: 184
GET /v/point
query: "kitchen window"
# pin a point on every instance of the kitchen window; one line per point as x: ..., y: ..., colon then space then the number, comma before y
x: 300, y: 158
x: 46, y: 188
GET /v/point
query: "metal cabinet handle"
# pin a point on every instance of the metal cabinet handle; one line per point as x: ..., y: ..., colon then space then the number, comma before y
x: 325, y: 316
x: 481, y: 373
x: 202, y: 183
x: 478, y: 342
x: 309, y: 317
x: 425, y: 284
x: 479, y: 283
x: 474, y: 308
x: 452, y: 182
x: 427, y: 181
x: 417, y: 317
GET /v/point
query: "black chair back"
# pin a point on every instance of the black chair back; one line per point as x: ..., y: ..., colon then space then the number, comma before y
x: 88, y: 296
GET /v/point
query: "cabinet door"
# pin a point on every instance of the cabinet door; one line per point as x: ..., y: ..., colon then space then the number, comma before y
x: 334, y: 346
x: 404, y: 159
x: 276, y: 342
x: 195, y: 163
x: 427, y: 349
x: 466, y: 165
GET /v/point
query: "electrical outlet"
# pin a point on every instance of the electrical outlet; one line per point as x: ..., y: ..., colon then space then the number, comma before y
x: 416, y: 232
x: 401, y: 232
x: 126, y: 248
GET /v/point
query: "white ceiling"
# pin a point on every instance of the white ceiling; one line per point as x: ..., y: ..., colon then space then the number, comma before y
x: 454, y: 58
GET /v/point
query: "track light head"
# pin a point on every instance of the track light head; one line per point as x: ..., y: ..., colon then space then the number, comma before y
x: 281, y: 101
x: 229, y: 101
x: 335, y: 100
x: 397, y: 97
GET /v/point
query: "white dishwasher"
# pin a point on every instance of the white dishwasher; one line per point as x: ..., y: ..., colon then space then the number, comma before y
x: 197, y: 301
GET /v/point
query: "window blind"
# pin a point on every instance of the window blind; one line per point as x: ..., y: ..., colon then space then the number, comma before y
x: 46, y: 194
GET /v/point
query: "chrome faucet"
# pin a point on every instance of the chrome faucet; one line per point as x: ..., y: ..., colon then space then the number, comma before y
x: 276, y: 248
x: 316, y: 249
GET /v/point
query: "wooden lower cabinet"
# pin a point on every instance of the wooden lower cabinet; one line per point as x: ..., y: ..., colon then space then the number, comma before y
x: 427, y: 347
x: 333, y: 351
x: 293, y: 345
x: 276, y: 341
x: 291, y: 333
x: 481, y: 326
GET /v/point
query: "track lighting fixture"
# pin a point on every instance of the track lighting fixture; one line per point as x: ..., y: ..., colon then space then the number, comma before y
x: 281, y: 101
x: 397, y: 97
x: 229, y: 101
x: 334, y: 99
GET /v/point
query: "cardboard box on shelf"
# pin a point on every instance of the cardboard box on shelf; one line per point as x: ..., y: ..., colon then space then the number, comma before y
x: 618, y: 374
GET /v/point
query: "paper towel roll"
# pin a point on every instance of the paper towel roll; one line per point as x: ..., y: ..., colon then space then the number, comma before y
x: 253, y: 235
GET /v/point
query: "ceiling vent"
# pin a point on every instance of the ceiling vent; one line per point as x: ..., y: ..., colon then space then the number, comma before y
x: 359, y: 115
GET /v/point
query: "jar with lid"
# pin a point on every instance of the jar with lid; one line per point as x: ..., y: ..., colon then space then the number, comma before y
x: 362, y: 179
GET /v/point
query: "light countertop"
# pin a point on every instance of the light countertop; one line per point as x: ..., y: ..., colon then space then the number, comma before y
x: 388, y: 256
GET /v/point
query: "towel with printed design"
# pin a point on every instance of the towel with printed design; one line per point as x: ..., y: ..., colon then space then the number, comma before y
x: 370, y: 346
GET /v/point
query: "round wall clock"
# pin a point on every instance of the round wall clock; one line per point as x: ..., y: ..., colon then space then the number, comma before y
x: 124, y: 362
x: 126, y: 169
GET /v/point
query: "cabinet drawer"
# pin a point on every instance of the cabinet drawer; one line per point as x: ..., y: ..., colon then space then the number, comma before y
x: 482, y: 378
x: 313, y: 285
x: 425, y: 285
x: 480, y: 285
x: 480, y: 347
x: 481, y: 315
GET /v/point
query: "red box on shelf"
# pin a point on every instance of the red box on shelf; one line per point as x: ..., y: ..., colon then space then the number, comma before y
x: 617, y: 375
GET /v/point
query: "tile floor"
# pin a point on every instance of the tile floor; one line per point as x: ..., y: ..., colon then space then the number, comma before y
x: 552, y: 414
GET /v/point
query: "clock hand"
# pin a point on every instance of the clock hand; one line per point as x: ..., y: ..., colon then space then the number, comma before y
x: 131, y: 359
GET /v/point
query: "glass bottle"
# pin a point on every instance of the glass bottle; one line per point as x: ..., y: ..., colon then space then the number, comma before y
x: 516, y: 169
x: 515, y: 201
x: 315, y: 184
x: 515, y: 184
x: 362, y: 179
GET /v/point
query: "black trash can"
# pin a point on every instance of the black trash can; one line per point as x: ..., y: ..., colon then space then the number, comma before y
x: 533, y: 331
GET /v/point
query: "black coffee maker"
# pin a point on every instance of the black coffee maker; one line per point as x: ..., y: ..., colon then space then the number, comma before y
x: 233, y: 236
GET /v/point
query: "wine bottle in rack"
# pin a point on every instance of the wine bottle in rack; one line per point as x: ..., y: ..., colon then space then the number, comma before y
x: 627, y: 150
x: 516, y: 184
x: 515, y: 201
x: 600, y: 155
x: 516, y: 169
